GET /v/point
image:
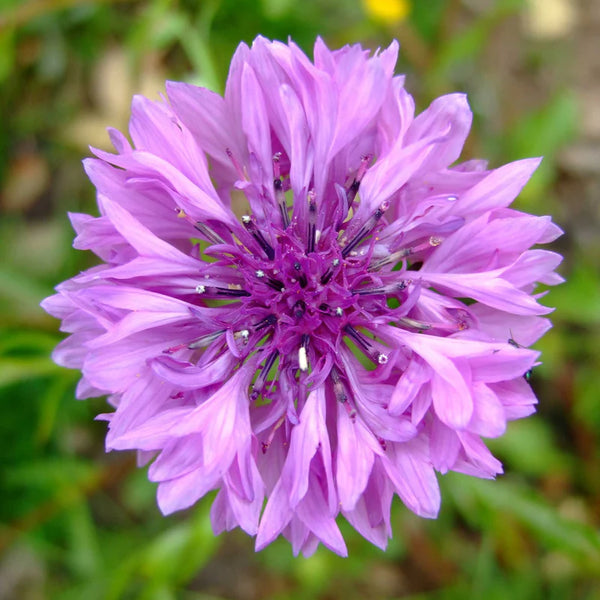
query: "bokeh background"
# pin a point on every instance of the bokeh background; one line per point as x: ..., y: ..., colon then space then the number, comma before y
x: 76, y: 523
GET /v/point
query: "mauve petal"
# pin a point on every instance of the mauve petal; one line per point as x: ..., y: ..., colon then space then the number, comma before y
x: 154, y: 128
x: 489, y: 288
x: 212, y: 127
x: 499, y: 188
x: 255, y: 123
x: 355, y: 457
x: 449, y: 114
x: 154, y: 434
x: 178, y: 458
x: 488, y: 419
x: 313, y: 512
x: 449, y: 390
x: 413, y: 478
x: 371, y: 516
x: 473, y: 247
x: 501, y: 326
x: 532, y: 266
x: 408, y: 386
x: 140, y: 237
x: 182, y: 492
x: 275, y: 517
x: 444, y: 446
x: 516, y: 396
x: 481, y: 462
x: 184, y: 375
x: 307, y: 438
x: 246, y: 510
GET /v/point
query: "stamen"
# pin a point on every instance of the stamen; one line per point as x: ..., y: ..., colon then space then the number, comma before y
x: 259, y: 384
x: 366, y: 346
x: 391, y: 288
x: 355, y: 185
x: 301, y: 277
x: 299, y: 309
x: 275, y: 284
x: 312, y: 221
x: 302, y: 356
x: 366, y: 229
x: 265, y: 445
x: 205, y: 340
x: 202, y: 342
x: 423, y: 326
x: 280, y: 197
x: 206, y: 231
x: 400, y: 254
x: 236, y: 164
x: 338, y: 387
x: 326, y: 277
x: 266, y: 322
x: 339, y: 312
x: 233, y: 291
x: 250, y: 226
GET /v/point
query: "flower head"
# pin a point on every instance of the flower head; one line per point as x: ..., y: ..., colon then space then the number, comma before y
x: 362, y: 325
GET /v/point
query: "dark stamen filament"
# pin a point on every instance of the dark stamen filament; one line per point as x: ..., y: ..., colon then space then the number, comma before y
x: 266, y: 322
x: 205, y: 340
x: 229, y: 292
x: 366, y: 346
x: 251, y: 228
x: 299, y: 309
x: 392, y: 288
x: 326, y: 277
x: 312, y: 222
x: 280, y: 197
x: 365, y: 230
x: 259, y: 384
x: 400, y: 254
x: 208, y: 233
x: 301, y: 277
x: 275, y: 284
x: 355, y: 185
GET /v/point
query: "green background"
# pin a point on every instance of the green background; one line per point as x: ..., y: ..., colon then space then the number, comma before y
x: 78, y: 523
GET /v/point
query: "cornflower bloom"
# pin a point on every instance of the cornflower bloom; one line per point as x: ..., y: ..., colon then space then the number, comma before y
x: 361, y: 326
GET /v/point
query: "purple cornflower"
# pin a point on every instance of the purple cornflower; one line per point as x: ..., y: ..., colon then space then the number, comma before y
x: 361, y: 326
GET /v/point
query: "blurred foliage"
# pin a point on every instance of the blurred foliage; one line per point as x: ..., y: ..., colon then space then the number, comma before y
x: 76, y: 523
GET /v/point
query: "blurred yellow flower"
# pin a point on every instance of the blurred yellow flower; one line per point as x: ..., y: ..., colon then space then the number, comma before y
x: 387, y: 11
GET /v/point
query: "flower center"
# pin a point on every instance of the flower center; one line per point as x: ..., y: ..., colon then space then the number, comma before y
x: 297, y: 294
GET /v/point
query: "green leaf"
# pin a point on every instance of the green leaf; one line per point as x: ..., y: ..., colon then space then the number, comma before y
x: 13, y: 370
x: 545, y: 522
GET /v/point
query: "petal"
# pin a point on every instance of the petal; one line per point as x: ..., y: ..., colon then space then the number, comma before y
x: 355, y: 457
x: 413, y: 477
x: 450, y: 114
x: 499, y: 188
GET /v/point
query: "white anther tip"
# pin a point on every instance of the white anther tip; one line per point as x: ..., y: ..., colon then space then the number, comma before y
x: 302, y: 359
